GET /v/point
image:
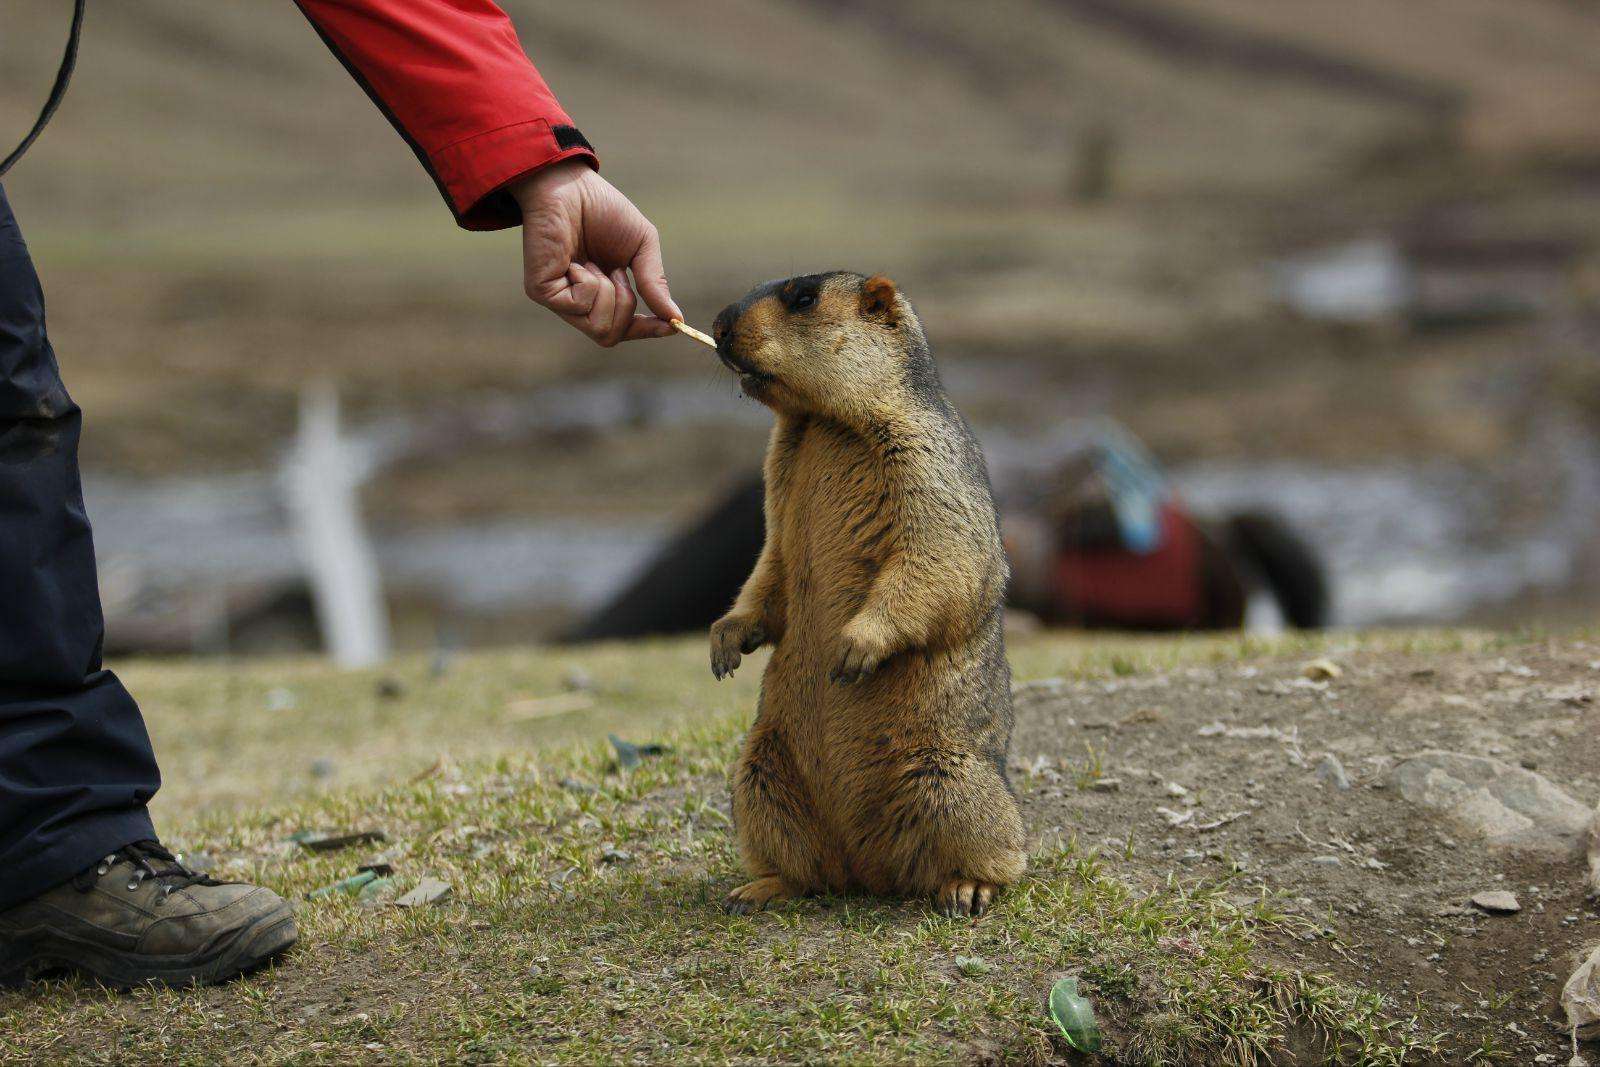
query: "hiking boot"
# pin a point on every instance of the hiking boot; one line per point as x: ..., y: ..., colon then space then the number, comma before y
x: 141, y: 916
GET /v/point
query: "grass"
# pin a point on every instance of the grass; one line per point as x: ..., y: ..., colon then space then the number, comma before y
x: 584, y: 924
x: 234, y: 735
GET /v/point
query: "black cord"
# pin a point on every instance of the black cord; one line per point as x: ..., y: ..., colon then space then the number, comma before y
x: 57, y: 91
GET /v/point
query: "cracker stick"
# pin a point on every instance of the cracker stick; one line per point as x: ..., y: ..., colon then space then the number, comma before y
x: 689, y: 331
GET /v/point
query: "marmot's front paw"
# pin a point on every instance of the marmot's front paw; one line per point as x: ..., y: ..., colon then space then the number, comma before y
x: 856, y: 656
x: 731, y: 636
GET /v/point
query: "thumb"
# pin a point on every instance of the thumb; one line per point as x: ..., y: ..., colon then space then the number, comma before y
x: 650, y: 277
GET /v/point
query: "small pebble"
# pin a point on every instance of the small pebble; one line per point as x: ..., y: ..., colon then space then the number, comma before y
x: 1497, y: 902
x: 1331, y: 772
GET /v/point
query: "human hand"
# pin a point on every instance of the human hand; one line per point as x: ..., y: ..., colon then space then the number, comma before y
x: 580, y: 238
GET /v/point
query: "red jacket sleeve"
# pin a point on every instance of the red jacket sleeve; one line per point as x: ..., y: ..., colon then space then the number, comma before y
x: 453, y: 79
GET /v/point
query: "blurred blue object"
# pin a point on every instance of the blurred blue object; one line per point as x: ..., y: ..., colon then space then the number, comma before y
x: 1136, y: 487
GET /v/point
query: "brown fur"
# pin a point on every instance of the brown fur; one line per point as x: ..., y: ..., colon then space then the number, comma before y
x: 877, y: 758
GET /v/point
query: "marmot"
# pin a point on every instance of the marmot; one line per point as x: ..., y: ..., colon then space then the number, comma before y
x: 877, y: 759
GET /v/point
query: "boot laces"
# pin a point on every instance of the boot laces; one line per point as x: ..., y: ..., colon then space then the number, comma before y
x: 149, y: 861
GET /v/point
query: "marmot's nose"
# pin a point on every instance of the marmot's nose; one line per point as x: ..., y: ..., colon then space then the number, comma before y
x: 724, y: 322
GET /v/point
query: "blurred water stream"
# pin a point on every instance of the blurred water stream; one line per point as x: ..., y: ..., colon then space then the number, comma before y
x: 1404, y: 542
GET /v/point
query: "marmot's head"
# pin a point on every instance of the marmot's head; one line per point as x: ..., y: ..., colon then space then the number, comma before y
x: 834, y: 344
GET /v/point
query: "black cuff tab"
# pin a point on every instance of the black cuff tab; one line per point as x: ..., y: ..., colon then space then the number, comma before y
x: 571, y: 137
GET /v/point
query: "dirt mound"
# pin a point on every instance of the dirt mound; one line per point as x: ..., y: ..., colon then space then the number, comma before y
x: 1290, y: 784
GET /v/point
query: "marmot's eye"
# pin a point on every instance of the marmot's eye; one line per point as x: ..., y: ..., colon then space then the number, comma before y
x: 803, y: 301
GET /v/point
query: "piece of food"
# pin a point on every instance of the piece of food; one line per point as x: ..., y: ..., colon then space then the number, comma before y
x: 689, y: 331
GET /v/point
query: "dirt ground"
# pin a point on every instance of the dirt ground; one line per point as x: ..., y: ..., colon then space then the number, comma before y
x: 1386, y: 883
x: 1219, y: 899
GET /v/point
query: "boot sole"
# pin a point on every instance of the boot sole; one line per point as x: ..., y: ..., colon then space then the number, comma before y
x: 250, y: 947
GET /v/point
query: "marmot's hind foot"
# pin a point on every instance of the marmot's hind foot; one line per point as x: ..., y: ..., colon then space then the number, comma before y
x: 960, y: 897
x: 753, y: 896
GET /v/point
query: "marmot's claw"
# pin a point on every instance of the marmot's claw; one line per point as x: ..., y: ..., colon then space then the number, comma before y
x: 960, y: 898
x: 753, y: 896
x: 730, y: 637
x: 852, y: 664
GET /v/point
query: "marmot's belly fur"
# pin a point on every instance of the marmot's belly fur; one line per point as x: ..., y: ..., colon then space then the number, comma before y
x: 894, y: 784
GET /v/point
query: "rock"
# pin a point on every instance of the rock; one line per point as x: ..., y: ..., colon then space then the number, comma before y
x: 1327, y: 861
x: 1497, y: 902
x: 1322, y: 670
x: 427, y: 891
x: 1331, y: 772
x: 577, y: 680
x: 1580, y: 997
x: 1507, y: 805
x: 1106, y: 785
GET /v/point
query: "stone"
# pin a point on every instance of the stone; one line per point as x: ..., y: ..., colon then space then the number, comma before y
x: 1331, y: 772
x: 1508, y: 806
x: 427, y: 891
x: 1497, y: 902
x: 1580, y: 998
x: 1106, y: 785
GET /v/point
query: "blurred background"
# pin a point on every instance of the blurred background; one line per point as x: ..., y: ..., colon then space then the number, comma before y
x: 1265, y: 312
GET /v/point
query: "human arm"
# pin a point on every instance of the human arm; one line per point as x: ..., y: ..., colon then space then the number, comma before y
x: 452, y: 78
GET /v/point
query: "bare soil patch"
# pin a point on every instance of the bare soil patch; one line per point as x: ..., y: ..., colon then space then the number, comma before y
x: 1387, y: 883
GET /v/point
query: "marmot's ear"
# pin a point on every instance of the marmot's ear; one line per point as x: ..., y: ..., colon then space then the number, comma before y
x: 878, y: 299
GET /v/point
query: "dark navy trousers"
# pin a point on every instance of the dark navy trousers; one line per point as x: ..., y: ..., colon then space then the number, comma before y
x: 76, y: 767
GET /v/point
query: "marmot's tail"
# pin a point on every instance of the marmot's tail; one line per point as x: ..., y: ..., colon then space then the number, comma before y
x: 1290, y: 566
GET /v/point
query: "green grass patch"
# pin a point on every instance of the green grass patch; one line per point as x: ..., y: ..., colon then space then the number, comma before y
x: 584, y: 925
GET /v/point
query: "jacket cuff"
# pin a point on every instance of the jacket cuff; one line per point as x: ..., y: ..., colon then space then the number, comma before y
x: 474, y: 172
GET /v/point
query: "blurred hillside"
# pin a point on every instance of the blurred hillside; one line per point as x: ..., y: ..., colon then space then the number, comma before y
x: 1082, y: 196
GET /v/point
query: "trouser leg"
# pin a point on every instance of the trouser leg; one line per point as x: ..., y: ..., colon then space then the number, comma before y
x: 76, y: 767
